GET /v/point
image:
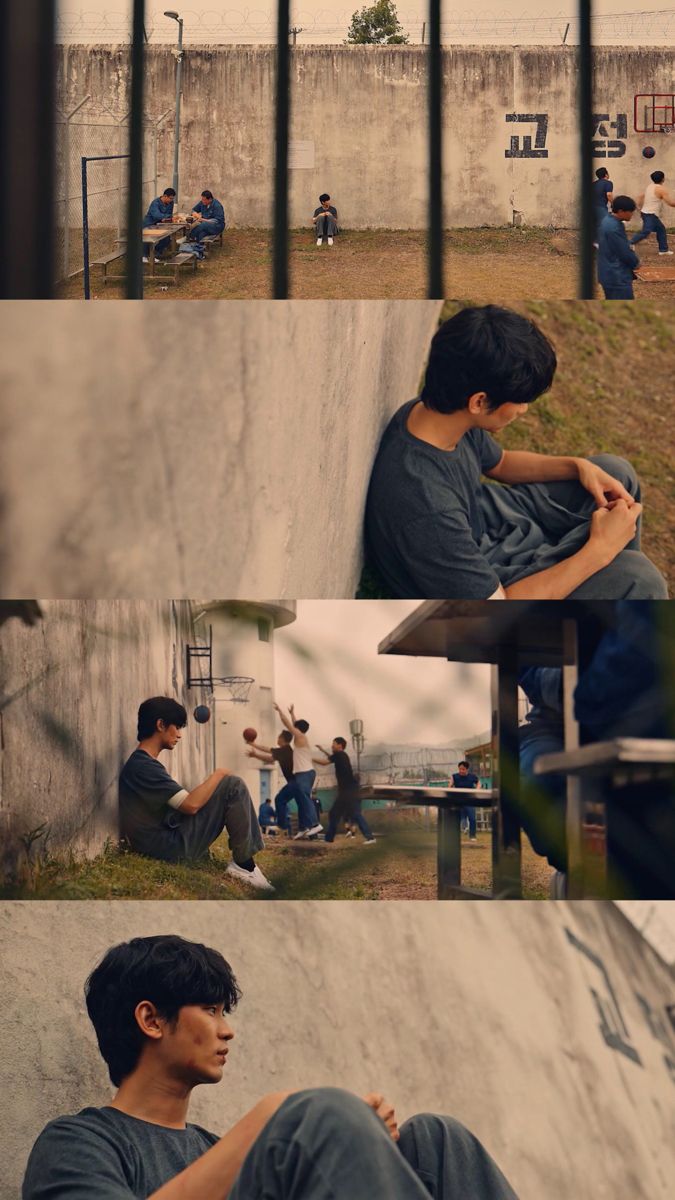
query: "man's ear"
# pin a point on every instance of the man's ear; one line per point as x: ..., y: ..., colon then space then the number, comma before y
x: 160, y: 726
x: 477, y: 404
x: 148, y: 1020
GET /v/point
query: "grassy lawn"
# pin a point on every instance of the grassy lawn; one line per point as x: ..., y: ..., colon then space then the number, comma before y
x: 401, y: 866
x: 488, y: 264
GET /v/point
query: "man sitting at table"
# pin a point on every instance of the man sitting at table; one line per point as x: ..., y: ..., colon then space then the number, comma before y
x: 210, y: 217
x: 633, y: 647
x: 160, y: 212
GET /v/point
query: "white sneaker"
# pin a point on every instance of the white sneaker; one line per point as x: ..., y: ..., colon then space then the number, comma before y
x: 330, y: 241
x: 319, y: 241
x: 254, y: 878
x: 369, y: 842
x: 313, y: 831
x: 146, y: 260
x: 300, y: 834
x: 661, y: 252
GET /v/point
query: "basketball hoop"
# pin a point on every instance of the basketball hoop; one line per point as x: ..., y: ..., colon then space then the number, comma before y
x: 238, y: 686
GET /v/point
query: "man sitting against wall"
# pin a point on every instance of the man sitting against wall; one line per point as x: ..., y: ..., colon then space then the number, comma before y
x: 162, y: 819
x: 160, y: 1007
x: 208, y: 217
x: 561, y: 526
x: 160, y: 212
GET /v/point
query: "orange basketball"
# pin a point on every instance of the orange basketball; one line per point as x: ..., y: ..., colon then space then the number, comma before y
x: 250, y: 735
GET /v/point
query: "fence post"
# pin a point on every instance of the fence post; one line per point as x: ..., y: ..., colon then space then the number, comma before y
x: 67, y: 197
x: 85, y: 230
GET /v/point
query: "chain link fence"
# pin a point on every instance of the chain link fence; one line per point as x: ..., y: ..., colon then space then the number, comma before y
x: 651, y: 27
x: 90, y: 132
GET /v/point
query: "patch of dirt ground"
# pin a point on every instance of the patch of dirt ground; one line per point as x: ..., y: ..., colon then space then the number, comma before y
x: 496, y: 265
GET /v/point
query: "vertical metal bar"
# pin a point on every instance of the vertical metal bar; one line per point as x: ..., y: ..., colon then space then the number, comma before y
x: 435, y: 198
x: 506, y: 857
x: 134, y: 289
x: 585, y: 110
x: 85, y: 231
x: 449, y: 851
x: 282, y: 124
x: 27, y: 151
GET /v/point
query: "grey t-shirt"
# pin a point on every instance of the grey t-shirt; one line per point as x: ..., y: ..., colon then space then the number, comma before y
x: 423, y: 518
x: 103, y: 1154
x: 148, y: 795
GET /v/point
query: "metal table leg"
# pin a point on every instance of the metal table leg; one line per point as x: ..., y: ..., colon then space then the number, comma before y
x: 449, y: 851
x: 506, y: 852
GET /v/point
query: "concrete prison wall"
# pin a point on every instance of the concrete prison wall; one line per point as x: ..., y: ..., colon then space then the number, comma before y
x: 543, y: 1027
x: 70, y: 687
x: 224, y: 453
x: 359, y: 127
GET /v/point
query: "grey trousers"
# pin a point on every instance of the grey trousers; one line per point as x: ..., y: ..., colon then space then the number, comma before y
x: 326, y: 225
x: 534, y: 526
x: 231, y: 808
x: 326, y: 1144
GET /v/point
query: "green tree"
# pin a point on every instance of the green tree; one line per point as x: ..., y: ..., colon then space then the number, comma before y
x: 377, y: 26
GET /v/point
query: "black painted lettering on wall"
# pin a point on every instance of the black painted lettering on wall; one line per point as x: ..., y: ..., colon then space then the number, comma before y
x: 605, y: 143
x: 521, y: 144
x: 612, y: 1025
x: 661, y: 1031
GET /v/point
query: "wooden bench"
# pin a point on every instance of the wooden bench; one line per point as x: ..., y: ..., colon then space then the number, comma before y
x: 596, y: 774
x: 105, y: 260
x: 176, y: 263
x: 450, y: 802
x: 213, y: 239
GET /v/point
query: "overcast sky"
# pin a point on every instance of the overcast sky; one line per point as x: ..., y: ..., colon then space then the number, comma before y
x: 327, y: 664
x: 527, y: 21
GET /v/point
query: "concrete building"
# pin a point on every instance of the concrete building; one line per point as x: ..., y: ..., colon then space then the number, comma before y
x: 243, y: 646
x: 543, y: 1027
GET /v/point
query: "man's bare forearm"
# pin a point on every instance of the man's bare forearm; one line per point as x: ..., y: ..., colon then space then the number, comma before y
x: 201, y: 795
x: 524, y: 466
x: 555, y: 583
x: 211, y: 1176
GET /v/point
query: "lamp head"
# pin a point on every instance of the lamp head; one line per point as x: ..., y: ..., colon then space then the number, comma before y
x: 174, y: 15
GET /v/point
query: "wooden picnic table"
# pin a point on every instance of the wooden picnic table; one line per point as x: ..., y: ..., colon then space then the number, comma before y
x: 449, y: 802
x: 507, y: 635
x: 152, y: 234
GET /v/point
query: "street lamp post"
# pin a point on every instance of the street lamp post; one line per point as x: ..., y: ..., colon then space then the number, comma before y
x: 358, y: 740
x: 179, y: 72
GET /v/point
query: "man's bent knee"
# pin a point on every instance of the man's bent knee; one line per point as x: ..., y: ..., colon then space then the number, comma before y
x: 644, y: 580
x: 619, y: 468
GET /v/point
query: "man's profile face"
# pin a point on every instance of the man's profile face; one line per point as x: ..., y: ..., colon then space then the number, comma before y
x: 171, y: 735
x: 195, y: 1048
x: 167, y: 199
x: 335, y: 746
x: 502, y: 416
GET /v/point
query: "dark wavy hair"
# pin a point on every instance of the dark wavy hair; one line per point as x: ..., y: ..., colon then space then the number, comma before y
x: 301, y: 724
x: 168, y: 971
x: 491, y: 350
x: 159, y: 708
